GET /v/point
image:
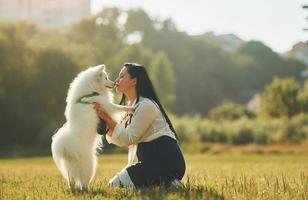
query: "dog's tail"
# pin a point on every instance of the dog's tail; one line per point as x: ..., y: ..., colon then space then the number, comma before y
x: 58, y: 152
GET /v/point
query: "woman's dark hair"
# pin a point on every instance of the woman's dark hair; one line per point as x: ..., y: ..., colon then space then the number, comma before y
x: 145, y: 88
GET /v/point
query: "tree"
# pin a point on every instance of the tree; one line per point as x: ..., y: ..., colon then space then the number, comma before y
x: 162, y: 74
x: 99, y: 35
x: 134, y: 54
x: 280, y: 98
x: 15, y: 73
x: 303, y: 98
x: 48, y: 92
x: 138, y: 20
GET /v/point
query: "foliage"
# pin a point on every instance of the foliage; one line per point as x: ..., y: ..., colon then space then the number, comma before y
x: 138, y: 20
x: 192, y: 75
x: 133, y: 54
x: 280, y: 98
x: 15, y: 75
x: 162, y: 75
x: 229, y: 111
x: 54, y: 69
x: 242, y: 130
x: 303, y: 100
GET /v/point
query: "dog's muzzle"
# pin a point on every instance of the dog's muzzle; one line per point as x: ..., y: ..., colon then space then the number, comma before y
x: 110, y: 85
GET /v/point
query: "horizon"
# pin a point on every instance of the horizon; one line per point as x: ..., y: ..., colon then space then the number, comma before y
x: 279, y: 31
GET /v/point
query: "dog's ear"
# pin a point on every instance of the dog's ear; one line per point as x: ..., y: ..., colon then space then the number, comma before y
x: 101, y: 71
x: 100, y: 67
x: 103, y: 67
x: 98, y: 76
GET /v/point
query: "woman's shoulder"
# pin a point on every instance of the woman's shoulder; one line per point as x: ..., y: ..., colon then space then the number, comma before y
x: 146, y: 102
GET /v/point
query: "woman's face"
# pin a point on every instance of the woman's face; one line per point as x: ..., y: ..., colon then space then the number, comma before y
x: 124, y: 82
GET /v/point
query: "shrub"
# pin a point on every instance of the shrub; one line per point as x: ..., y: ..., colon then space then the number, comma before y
x: 229, y: 111
x: 244, y: 136
x: 280, y: 98
x: 214, y: 135
x: 303, y: 100
x: 290, y: 133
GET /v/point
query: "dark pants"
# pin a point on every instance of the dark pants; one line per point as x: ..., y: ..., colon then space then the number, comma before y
x: 160, y: 162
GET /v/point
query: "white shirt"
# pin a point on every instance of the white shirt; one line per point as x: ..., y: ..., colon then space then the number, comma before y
x: 147, y: 124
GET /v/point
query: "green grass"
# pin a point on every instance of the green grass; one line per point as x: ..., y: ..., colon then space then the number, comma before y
x: 207, y: 177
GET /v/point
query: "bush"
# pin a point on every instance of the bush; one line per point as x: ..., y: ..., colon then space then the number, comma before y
x: 280, y: 98
x: 187, y: 127
x: 214, y: 135
x: 261, y: 138
x: 230, y: 111
x: 244, y: 136
x: 291, y: 133
x: 192, y: 129
x: 303, y: 100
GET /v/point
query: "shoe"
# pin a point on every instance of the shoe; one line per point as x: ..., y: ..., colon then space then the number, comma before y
x: 176, y: 183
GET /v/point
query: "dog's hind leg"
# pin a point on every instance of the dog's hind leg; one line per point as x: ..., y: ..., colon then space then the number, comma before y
x: 84, y: 188
x: 86, y: 172
x: 71, y: 182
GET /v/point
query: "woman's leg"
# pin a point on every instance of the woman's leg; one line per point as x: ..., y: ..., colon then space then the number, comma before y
x: 161, y: 162
x: 143, y: 175
x: 122, y: 179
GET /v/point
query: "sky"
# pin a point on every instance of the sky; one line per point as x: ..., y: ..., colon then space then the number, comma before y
x: 277, y: 23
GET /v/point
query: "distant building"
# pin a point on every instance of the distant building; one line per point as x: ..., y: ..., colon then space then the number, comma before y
x: 255, y: 103
x: 45, y: 13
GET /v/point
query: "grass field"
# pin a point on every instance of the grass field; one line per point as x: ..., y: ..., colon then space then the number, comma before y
x: 207, y: 177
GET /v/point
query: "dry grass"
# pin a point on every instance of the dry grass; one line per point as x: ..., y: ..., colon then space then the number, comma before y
x: 208, y: 177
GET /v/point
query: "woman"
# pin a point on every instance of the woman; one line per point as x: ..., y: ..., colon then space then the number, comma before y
x: 160, y: 160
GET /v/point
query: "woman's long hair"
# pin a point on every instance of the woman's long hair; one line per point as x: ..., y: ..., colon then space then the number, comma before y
x: 145, y: 88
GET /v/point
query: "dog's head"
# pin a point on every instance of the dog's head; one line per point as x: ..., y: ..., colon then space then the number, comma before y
x: 101, y: 77
x: 93, y: 79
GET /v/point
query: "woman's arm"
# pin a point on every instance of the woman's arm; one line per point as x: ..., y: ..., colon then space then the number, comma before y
x: 141, y: 120
x: 104, y: 116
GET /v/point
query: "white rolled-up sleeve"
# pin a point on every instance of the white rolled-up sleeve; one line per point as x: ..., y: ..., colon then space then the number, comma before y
x: 144, y: 115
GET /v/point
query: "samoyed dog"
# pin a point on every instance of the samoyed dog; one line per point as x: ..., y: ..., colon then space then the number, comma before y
x: 74, y: 145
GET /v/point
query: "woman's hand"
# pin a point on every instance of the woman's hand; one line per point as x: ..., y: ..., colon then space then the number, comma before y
x: 104, y: 116
x: 101, y: 114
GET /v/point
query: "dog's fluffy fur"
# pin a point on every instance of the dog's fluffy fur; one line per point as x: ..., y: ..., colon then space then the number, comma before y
x: 75, y: 144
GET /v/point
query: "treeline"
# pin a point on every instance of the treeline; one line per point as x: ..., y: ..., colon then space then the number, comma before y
x: 279, y: 116
x: 191, y: 74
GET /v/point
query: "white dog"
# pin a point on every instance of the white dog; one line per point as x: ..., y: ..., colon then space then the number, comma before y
x: 75, y: 143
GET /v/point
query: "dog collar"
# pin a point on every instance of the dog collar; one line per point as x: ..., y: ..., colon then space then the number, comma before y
x: 88, y: 95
